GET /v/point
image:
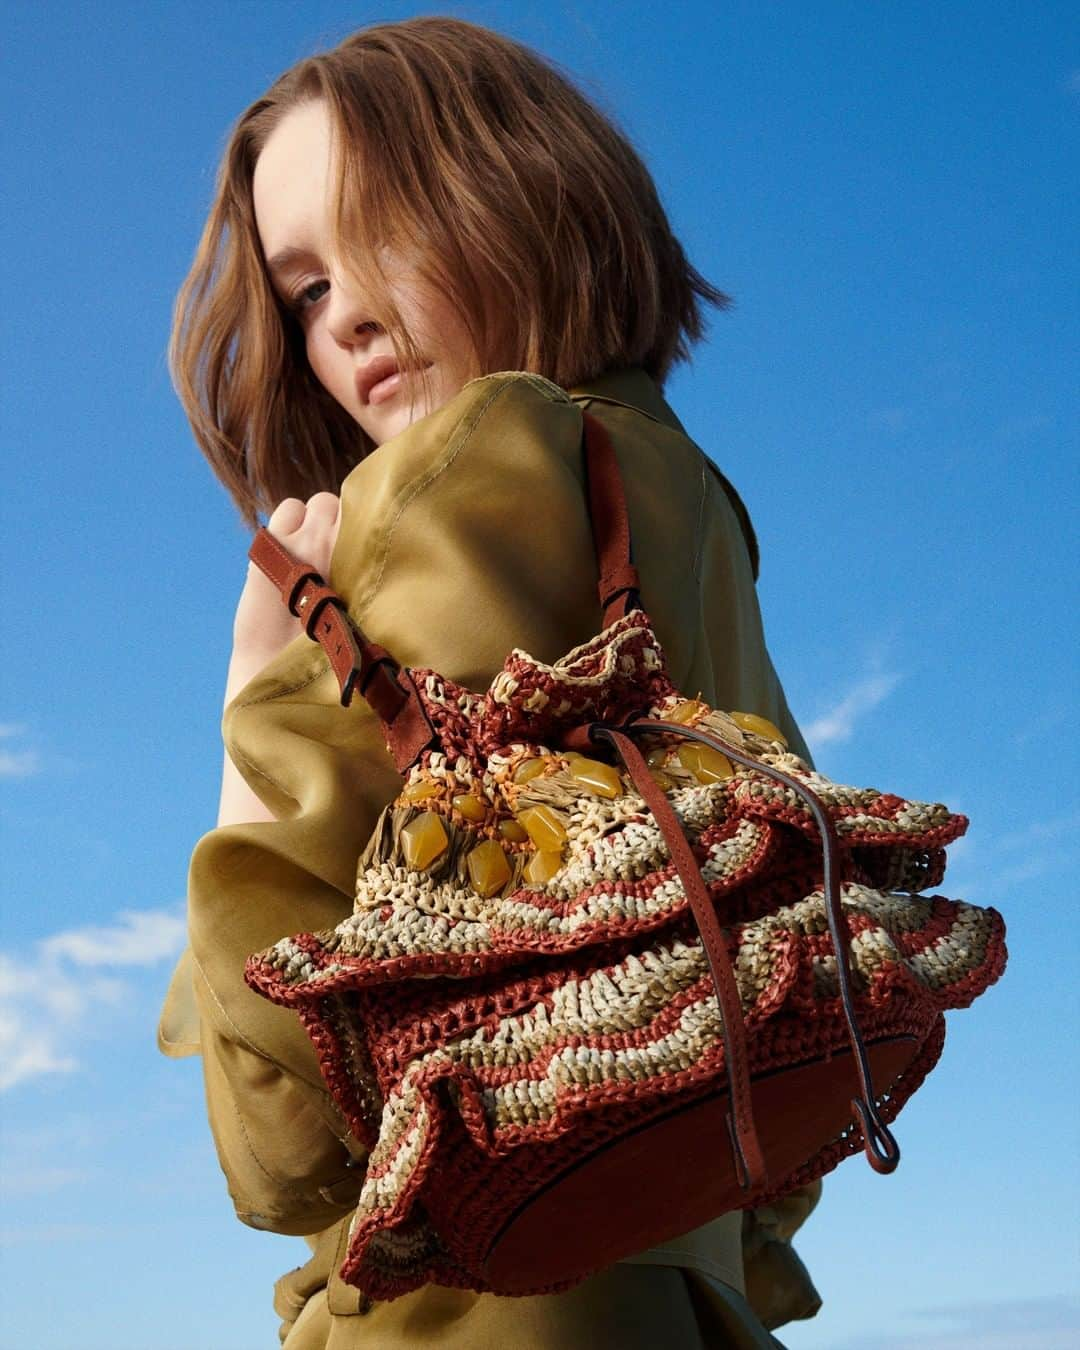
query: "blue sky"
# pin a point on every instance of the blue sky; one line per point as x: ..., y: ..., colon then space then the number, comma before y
x: 887, y: 191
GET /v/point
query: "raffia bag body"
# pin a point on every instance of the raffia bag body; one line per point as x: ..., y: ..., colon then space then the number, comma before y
x: 619, y: 962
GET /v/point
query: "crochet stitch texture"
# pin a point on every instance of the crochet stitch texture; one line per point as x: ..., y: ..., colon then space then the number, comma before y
x: 480, y: 1029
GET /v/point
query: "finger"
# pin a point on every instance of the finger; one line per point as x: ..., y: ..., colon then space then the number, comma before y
x: 324, y: 506
x: 287, y: 517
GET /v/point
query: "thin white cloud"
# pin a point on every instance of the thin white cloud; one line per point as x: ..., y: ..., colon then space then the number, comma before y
x: 1038, y: 832
x: 51, y: 996
x: 16, y: 763
x: 39, y: 1180
x: 838, y: 723
x: 1050, y: 1323
x: 26, y: 1051
x: 141, y: 938
x: 987, y: 869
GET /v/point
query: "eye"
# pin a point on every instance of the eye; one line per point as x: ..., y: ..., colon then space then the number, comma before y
x: 308, y: 295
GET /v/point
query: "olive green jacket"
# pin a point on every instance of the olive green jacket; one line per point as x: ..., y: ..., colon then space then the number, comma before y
x: 462, y: 537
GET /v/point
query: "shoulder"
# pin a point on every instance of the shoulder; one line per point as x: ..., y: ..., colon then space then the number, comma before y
x: 501, y: 454
x: 742, y: 515
x: 662, y: 447
x: 484, y: 408
x: 521, y: 383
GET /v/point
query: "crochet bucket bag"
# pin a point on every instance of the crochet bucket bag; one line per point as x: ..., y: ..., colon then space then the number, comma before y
x: 619, y: 962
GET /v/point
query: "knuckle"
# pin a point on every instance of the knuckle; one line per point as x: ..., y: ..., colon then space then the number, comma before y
x: 323, y: 503
x: 287, y: 515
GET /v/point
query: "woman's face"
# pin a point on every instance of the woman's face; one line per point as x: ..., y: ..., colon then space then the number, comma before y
x: 343, y: 336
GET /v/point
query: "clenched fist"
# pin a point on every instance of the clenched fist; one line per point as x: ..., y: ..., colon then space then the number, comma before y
x: 263, y: 624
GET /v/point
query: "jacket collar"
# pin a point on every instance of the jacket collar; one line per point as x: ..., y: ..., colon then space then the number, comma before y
x: 631, y: 387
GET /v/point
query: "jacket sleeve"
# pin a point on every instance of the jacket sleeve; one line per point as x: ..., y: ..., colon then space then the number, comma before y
x: 438, y: 562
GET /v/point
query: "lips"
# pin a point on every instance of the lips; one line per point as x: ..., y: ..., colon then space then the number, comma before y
x: 379, y: 368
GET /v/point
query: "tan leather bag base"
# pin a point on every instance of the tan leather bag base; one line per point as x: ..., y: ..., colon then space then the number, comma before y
x: 684, y: 1156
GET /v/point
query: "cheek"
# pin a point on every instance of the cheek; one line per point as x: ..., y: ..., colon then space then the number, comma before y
x: 320, y: 358
x: 448, y: 345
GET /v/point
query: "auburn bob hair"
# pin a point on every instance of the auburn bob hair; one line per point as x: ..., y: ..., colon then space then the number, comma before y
x: 521, y: 202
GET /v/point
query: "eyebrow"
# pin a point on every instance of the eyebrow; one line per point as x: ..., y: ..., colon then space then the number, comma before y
x: 283, y: 257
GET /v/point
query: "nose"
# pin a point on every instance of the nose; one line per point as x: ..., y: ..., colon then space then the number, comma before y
x: 349, y: 318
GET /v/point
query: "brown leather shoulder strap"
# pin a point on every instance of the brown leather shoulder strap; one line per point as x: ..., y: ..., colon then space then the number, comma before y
x: 619, y: 583
x: 361, y: 666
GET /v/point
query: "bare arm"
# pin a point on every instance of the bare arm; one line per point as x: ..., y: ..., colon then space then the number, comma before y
x: 263, y: 627
x: 238, y: 804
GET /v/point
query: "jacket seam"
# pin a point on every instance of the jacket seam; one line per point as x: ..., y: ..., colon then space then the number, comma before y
x: 250, y: 1045
x: 741, y: 513
x: 244, y: 1136
x: 695, y: 563
x: 621, y: 403
x: 279, y: 1182
x: 237, y: 753
x: 324, y: 666
x: 699, y: 533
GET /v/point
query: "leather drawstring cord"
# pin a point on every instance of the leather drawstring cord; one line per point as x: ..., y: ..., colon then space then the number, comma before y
x: 881, y: 1148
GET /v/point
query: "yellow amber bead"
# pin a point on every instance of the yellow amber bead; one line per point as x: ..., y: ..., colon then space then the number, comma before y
x: 471, y: 806
x: 760, y: 726
x: 657, y: 757
x: 686, y: 711
x: 542, y: 866
x: 488, y: 869
x: 706, y: 764
x: 512, y: 831
x: 417, y: 792
x: 661, y: 779
x: 544, y: 827
x: 596, y: 776
x: 529, y: 768
x: 423, y: 839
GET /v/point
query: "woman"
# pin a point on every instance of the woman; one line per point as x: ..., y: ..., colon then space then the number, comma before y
x: 428, y: 254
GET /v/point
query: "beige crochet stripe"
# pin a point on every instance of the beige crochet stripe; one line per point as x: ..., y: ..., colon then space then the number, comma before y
x: 433, y: 917
x: 528, y: 1101
x: 438, y: 916
x: 955, y: 953
x: 404, y: 1130
x: 633, y: 994
x: 406, y: 1119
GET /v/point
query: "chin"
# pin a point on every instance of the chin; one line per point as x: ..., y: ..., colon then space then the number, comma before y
x: 392, y: 422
